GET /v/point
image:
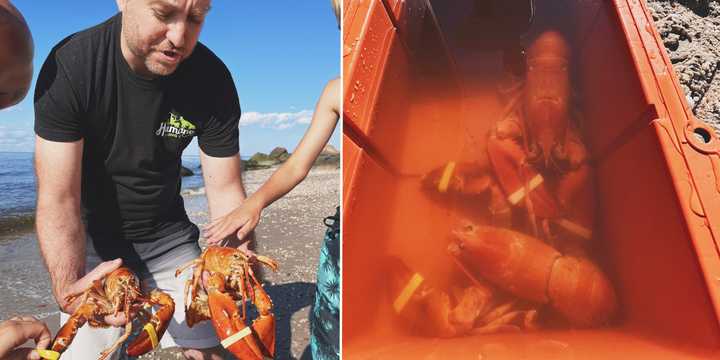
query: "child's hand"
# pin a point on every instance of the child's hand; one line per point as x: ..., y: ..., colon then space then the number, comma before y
x: 17, y: 331
x: 241, y: 222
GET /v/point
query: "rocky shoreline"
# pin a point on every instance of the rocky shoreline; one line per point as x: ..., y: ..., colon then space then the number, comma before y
x: 690, y: 30
x: 329, y: 156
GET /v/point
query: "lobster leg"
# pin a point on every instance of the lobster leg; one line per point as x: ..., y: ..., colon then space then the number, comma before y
x: 195, y: 281
x: 147, y: 340
x: 576, y: 196
x: 125, y: 335
x: 497, y: 312
x: 67, y: 332
x: 500, y: 324
x: 447, y: 319
x: 268, y: 262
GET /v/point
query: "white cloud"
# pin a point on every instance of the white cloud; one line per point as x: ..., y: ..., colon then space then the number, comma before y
x: 278, y: 121
x: 16, y: 139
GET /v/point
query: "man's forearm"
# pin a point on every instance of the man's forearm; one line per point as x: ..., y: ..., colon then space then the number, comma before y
x: 62, y: 242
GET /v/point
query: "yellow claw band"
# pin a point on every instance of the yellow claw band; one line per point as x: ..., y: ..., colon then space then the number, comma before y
x: 445, y: 178
x: 519, y: 194
x: 152, y: 334
x: 407, y: 292
x: 228, y: 341
x: 48, y: 354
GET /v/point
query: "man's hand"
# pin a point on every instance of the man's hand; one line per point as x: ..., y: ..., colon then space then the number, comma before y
x: 85, y: 283
x: 239, y: 222
x: 16, y: 332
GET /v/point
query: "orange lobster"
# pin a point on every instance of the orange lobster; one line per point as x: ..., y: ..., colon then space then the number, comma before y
x: 477, y: 308
x: 532, y: 270
x: 231, y: 278
x: 536, y: 160
x: 536, y: 148
x: 118, y: 291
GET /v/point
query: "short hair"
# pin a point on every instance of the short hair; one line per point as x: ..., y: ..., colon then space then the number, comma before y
x: 337, y: 9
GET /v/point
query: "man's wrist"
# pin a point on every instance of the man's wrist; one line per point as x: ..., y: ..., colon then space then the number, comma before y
x: 62, y: 292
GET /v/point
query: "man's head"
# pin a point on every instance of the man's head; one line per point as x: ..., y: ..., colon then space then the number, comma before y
x: 16, y: 54
x: 158, y: 34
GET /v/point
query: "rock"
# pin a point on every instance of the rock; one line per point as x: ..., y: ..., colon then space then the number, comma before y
x: 279, y: 153
x: 263, y: 159
x: 672, y: 41
x: 329, y: 156
x: 253, y: 164
x: 185, y: 172
x: 329, y: 150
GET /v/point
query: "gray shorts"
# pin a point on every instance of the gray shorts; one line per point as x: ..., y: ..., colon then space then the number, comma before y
x: 90, y: 342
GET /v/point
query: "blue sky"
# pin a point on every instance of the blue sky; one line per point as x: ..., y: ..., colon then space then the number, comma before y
x: 280, y: 53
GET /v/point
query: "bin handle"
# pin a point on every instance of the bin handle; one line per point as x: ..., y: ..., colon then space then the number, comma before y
x: 702, y: 137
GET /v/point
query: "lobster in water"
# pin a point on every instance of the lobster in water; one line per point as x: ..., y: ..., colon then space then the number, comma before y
x: 536, y: 161
x: 231, y: 279
x: 536, y: 166
x: 118, y: 292
x: 449, y: 311
x: 532, y: 270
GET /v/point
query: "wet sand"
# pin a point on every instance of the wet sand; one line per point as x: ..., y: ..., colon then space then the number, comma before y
x: 291, y: 231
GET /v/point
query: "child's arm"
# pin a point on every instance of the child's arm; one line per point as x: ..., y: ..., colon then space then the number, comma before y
x: 244, y: 218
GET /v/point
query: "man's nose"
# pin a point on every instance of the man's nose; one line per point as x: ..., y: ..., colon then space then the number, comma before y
x: 176, y: 33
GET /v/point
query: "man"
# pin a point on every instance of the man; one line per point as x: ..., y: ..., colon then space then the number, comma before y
x: 115, y: 106
x: 16, y: 54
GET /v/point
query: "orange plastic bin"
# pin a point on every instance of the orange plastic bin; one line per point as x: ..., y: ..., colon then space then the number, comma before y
x: 421, y: 81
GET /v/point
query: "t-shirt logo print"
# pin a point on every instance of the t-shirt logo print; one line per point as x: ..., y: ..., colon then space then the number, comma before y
x: 176, y: 127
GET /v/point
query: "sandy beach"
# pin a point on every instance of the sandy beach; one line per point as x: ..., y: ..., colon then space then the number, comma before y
x: 291, y: 231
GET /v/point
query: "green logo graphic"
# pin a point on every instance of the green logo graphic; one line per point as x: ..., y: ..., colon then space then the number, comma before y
x: 176, y: 127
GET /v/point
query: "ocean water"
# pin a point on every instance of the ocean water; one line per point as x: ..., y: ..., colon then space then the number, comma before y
x: 17, y: 188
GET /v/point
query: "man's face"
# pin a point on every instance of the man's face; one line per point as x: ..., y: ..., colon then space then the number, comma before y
x: 158, y: 34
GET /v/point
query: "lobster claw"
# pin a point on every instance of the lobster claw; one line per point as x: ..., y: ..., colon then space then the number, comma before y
x: 239, y: 339
x: 155, y: 328
x: 264, y: 325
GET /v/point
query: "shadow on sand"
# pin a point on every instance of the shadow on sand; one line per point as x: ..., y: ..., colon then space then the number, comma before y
x: 289, y: 299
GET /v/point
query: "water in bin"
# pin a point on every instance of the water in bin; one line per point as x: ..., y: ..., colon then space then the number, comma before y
x: 523, y: 253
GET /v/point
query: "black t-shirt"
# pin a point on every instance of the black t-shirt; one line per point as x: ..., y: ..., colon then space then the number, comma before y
x: 134, y: 132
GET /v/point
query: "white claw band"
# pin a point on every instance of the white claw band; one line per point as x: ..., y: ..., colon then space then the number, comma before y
x: 520, y: 193
x: 575, y: 228
x: 150, y: 330
x: 407, y: 292
x: 446, y: 175
x: 48, y: 354
x: 228, y: 341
